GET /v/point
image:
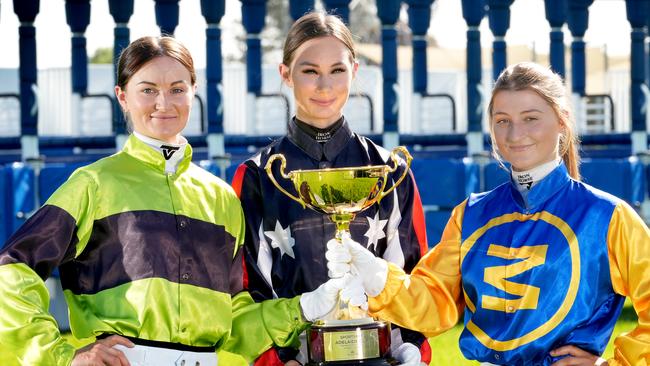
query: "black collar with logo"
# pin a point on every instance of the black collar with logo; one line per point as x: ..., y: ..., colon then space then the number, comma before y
x: 339, y: 134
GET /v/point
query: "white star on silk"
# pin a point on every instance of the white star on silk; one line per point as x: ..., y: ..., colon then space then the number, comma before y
x: 281, y: 238
x: 375, y: 230
x: 265, y: 259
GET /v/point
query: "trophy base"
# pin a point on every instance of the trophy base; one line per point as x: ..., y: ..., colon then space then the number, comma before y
x: 375, y: 362
x: 349, y: 342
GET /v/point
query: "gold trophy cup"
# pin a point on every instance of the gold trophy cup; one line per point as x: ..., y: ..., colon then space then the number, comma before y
x: 351, y: 336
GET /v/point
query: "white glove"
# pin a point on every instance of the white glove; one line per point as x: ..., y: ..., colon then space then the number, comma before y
x: 358, y: 260
x: 354, y: 294
x: 407, y: 354
x: 338, y: 259
x: 320, y: 302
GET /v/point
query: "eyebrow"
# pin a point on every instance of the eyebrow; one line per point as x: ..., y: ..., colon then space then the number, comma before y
x: 531, y: 110
x: 522, y: 112
x: 307, y: 63
x: 154, y: 84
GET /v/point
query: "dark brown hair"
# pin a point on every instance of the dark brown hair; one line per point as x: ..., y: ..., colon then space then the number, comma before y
x: 549, y: 86
x: 144, y: 49
x: 314, y: 25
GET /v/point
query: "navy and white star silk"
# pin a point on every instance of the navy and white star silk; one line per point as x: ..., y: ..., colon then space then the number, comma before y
x: 285, y: 243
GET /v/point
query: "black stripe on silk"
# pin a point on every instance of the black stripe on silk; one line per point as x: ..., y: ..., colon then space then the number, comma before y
x: 160, y: 344
x: 137, y: 245
x: 45, y: 240
x: 237, y: 273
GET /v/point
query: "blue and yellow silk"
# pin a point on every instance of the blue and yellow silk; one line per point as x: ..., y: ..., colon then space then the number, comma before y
x: 531, y: 276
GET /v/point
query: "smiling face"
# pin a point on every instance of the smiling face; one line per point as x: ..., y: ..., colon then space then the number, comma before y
x: 158, y: 99
x: 526, y: 128
x: 320, y: 74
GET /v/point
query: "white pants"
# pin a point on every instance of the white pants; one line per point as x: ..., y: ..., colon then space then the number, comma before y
x: 155, y: 356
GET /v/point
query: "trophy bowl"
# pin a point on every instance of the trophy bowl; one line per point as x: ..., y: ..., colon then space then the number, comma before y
x: 340, y: 193
x: 351, y: 337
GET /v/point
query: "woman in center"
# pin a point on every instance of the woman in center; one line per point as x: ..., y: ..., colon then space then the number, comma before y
x: 285, y: 243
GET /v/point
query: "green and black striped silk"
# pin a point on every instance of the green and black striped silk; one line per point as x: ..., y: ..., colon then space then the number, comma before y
x: 141, y: 253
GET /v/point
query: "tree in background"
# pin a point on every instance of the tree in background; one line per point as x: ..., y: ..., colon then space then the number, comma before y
x: 278, y: 22
x: 103, y: 55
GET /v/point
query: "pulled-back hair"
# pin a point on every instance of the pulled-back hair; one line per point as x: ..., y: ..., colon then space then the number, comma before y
x: 549, y: 86
x: 145, y: 49
x: 314, y: 25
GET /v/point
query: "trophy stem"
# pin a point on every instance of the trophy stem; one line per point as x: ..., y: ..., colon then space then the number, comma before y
x: 342, y: 222
x: 345, y: 311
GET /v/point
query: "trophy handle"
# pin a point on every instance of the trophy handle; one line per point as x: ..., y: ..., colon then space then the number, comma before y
x: 283, y: 164
x: 393, y: 157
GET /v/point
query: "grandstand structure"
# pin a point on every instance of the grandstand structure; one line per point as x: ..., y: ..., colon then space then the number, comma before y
x: 448, y: 165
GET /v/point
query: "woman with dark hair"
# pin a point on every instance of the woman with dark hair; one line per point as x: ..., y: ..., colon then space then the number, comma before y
x: 285, y: 244
x: 148, y: 246
x: 540, y: 266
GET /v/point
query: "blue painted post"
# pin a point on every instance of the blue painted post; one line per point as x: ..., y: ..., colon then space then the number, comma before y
x: 253, y: 14
x: 77, y: 14
x: 166, y: 15
x: 388, y: 12
x: 298, y: 8
x: 213, y: 12
x: 121, y: 11
x: 26, y: 10
x: 578, y: 20
x: 556, y: 15
x: 419, y: 12
x: 473, y: 13
x: 645, y: 5
x: 340, y: 8
x: 499, y: 19
x: 637, y: 15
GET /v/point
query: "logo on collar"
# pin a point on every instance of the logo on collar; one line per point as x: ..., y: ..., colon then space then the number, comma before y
x: 168, y: 151
x: 525, y: 180
x: 323, y: 136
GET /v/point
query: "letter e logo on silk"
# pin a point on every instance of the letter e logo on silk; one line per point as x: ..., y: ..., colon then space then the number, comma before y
x: 528, y: 257
x: 532, y: 256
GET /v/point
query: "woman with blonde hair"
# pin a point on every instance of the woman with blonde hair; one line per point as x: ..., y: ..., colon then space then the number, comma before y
x: 540, y: 266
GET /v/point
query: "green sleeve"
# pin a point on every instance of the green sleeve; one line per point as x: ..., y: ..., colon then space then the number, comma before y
x: 257, y: 327
x: 29, y: 335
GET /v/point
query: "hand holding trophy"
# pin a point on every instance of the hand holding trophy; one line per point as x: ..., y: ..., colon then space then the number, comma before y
x: 349, y: 335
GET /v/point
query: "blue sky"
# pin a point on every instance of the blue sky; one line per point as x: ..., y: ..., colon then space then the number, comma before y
x: 608, y: 26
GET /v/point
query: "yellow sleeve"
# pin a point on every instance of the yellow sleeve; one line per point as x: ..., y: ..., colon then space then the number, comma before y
x: 628, y: 245
x: 430, y: 299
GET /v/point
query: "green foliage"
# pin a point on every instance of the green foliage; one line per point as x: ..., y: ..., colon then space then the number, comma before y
x: 102, y: 55
x: 445, y: 351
